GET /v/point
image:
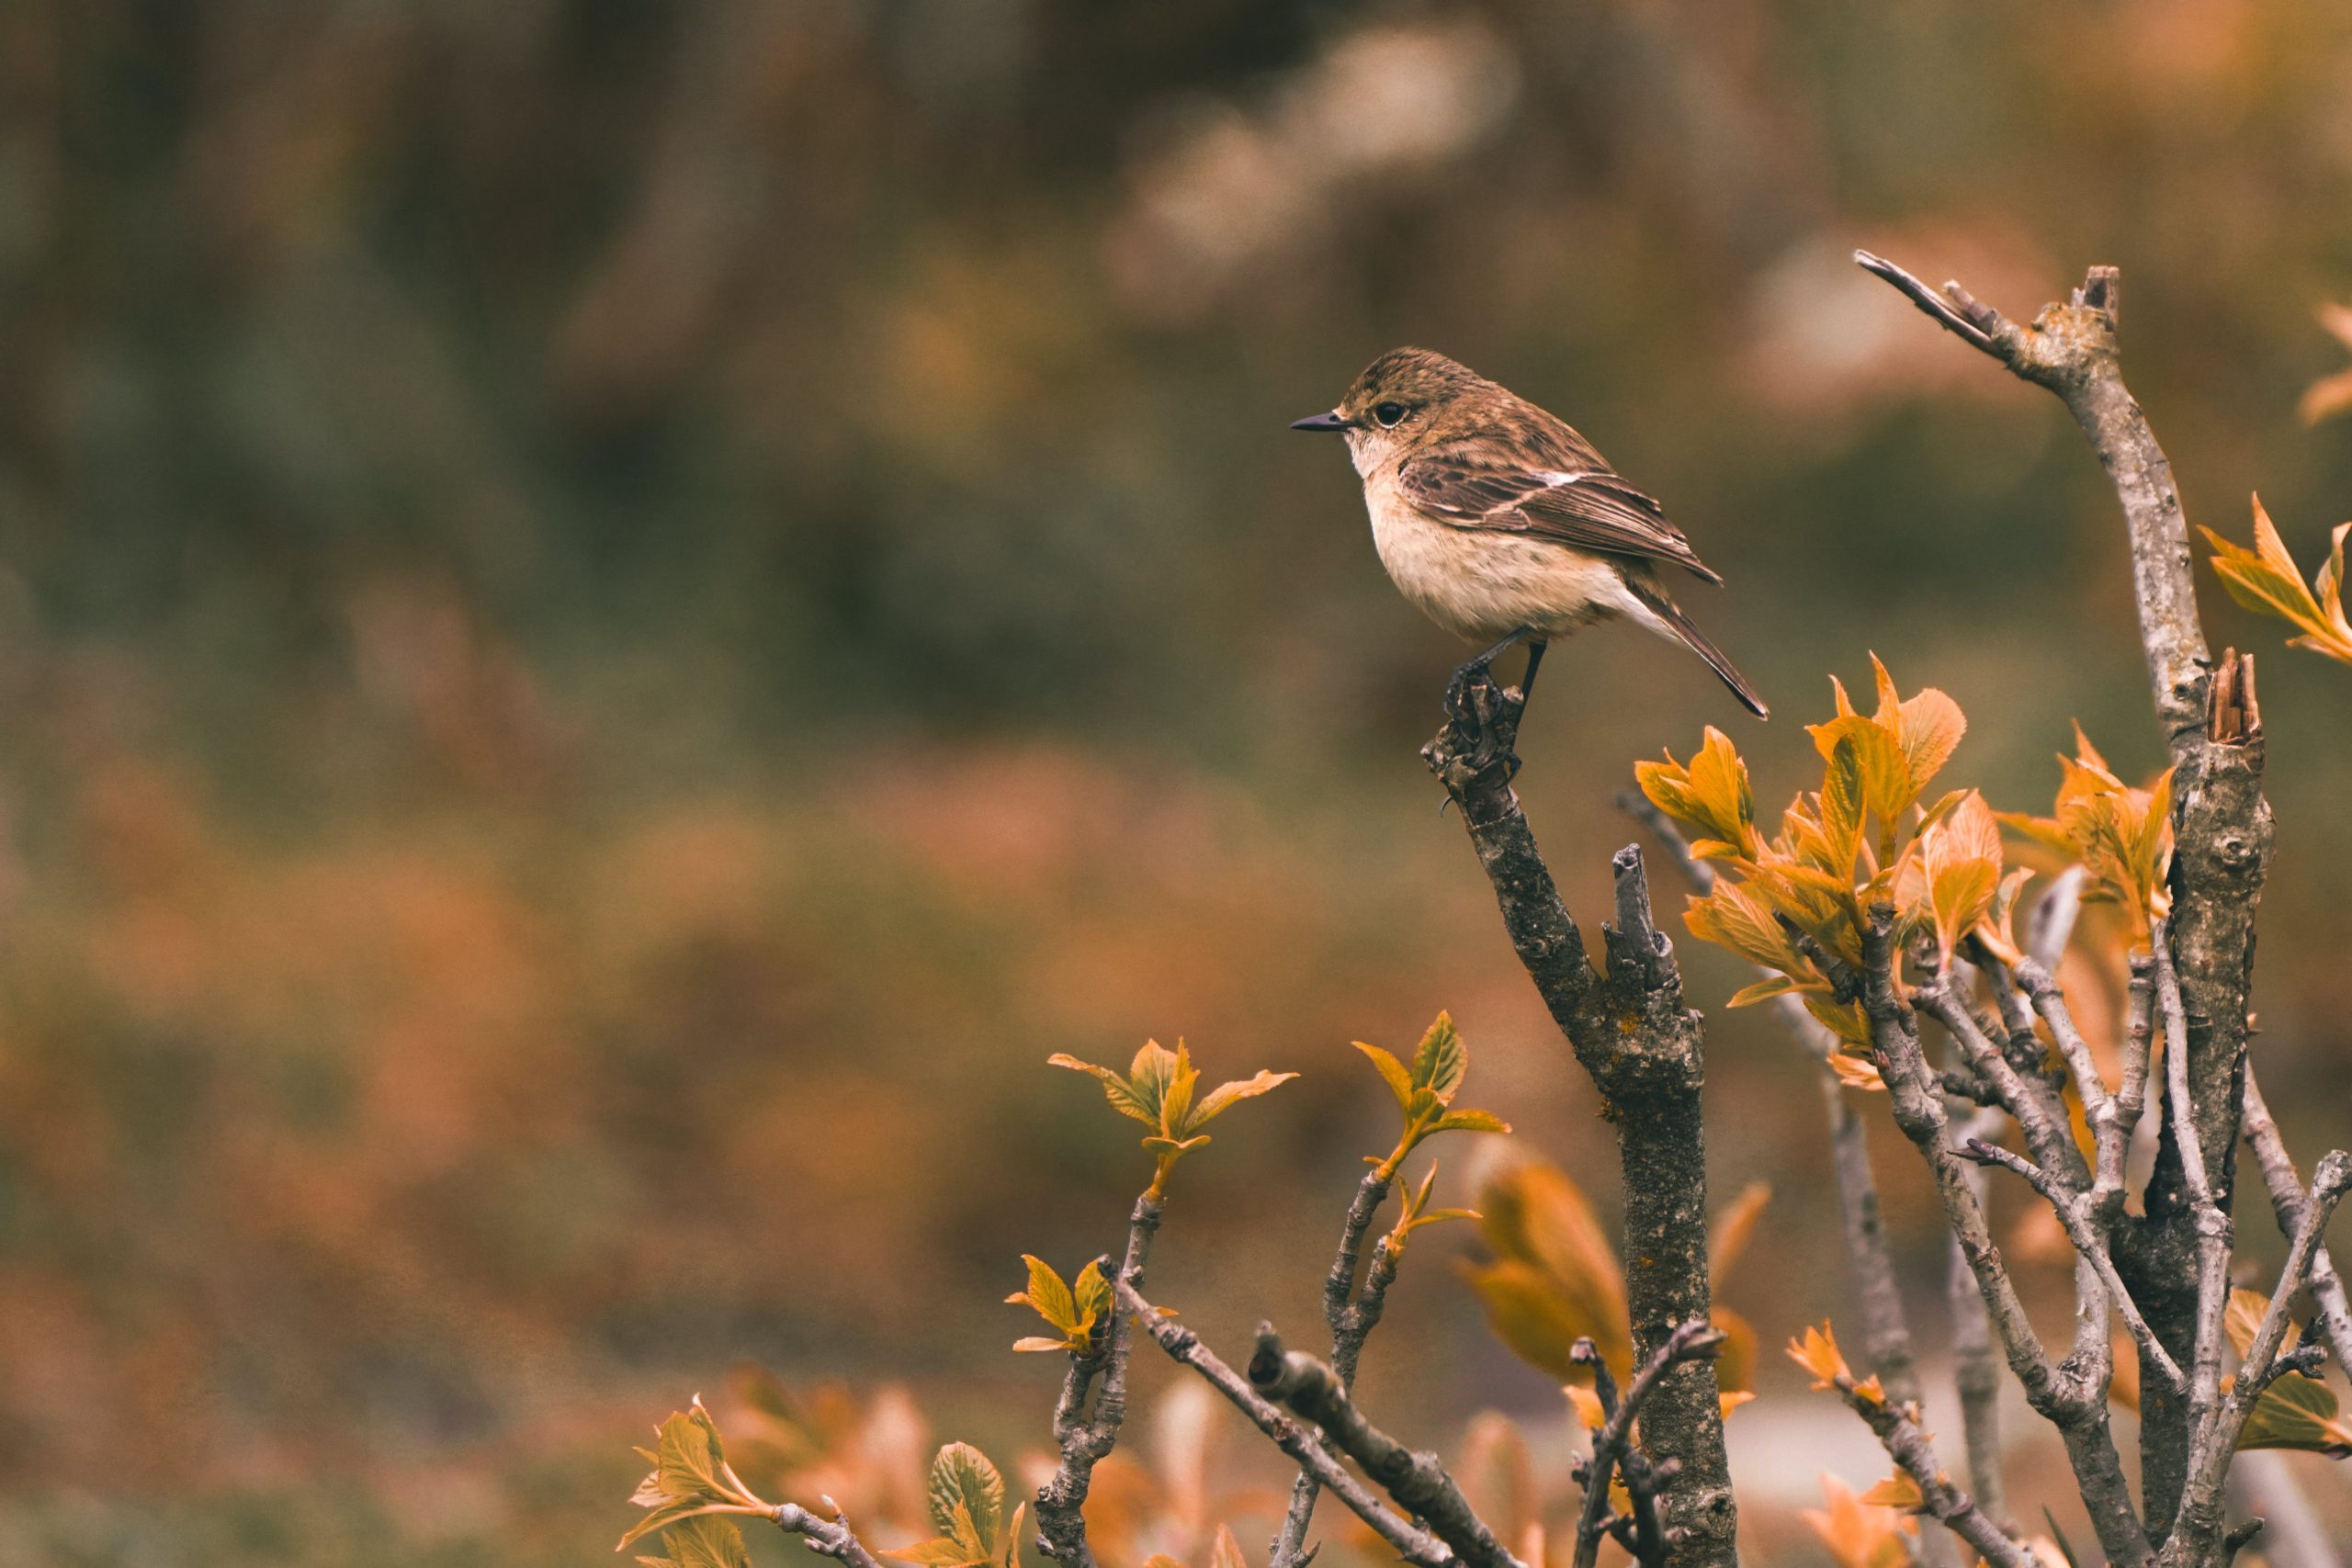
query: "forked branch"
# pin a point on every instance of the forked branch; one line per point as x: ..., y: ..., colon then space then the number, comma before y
x: 1645, y: 1051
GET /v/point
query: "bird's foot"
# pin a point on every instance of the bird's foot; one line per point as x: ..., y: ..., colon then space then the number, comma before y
x: 1479, y: 669
x: 1477, y: 745
x: 1457, y: 689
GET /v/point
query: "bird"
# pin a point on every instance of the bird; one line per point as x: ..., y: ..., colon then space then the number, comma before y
x: 1497, y: 520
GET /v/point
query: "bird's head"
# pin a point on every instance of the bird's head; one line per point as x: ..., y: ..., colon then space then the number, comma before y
x: 1399, y: 400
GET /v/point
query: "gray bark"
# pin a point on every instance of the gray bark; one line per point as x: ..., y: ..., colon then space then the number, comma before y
x: 1645, y: 1051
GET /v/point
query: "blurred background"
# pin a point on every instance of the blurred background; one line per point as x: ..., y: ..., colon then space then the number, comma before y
x: 615, y: 617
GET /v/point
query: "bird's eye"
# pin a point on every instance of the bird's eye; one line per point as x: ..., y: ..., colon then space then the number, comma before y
x: 1389, y: 415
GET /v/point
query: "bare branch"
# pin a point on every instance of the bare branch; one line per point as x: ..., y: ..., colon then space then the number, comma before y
x: 2071, y: 349
x: 1944, y: 311
x: 1843, y: 981
x: 2329, y: 1183
x: 1635, y: 940
x: 1417, y: 1480
x: 2287, y: 1201
x: 1592, y: 1519
x: 2050, y: 1003
x: 1920, y: 1114
x: 1886, y: 1327
x: 1698, y: 873
x: 2213, y: 1225
x: 1086, y: 1436
x: 1415, y: 1545
x: 2131, y: 1098
x: 1645, y: 1053
x: 828, y: 1537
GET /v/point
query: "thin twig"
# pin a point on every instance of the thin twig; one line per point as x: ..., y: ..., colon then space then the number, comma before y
x: 2205, y: 1404
x: 2032, y: 1100
x: 1592, y: 1517
x: 1942, y: 310
x: 1976, y: 1365
x: 1415, y: 1545
x: 1351, y: 1315
x: 2200, y: 1500
x: 2073, y: 1212
x: 1898, y: 1432
x: 2050, y: 1002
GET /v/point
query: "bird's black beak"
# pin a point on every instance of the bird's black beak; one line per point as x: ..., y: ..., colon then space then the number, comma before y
x: 1322, y: 422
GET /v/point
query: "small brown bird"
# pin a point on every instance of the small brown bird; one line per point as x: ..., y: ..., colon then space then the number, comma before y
x: 1498, y: 520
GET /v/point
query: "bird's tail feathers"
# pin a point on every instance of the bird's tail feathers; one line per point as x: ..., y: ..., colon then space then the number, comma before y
x: 1677, y: 625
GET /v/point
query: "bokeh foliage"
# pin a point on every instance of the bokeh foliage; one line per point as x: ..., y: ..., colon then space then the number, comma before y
x: 610, y: 608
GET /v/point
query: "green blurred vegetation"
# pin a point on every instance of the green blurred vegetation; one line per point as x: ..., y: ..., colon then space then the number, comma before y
x: 618, y: 615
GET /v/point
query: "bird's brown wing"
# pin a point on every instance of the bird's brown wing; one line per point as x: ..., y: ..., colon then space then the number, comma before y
x: 1591, y: 508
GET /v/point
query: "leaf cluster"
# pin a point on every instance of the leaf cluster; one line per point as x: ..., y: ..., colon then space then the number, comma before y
x: 1071, y: 1309
x: 689, y: 1493
x: 2265, y: 579
x: 1415, y: 1211
x: 1816, y: 1351
x: 2121, y: 837
x: 1157, y: 1089
x: 1425, y: 1092
x: 1863, y: 838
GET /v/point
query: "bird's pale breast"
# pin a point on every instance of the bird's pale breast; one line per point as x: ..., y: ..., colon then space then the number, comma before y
x: 1485, y: 586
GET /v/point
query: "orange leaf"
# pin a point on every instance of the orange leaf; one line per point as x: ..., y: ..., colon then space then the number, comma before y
x: 1816, y: 1351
